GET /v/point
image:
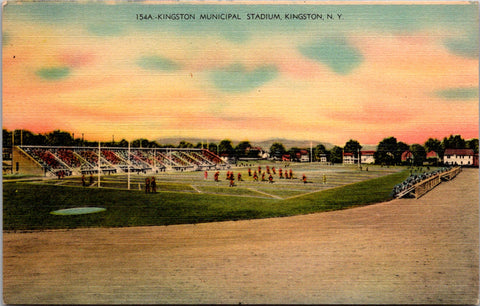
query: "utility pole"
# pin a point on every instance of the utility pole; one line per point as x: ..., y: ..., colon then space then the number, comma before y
x: 128, y: 164
x: 99, y: 154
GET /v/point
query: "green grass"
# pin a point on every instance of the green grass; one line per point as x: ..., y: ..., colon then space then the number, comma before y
x: 19, y: 176
x: 27, y: 206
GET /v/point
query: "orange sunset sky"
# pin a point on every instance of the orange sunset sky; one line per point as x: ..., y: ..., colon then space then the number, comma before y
x: 409, y: 71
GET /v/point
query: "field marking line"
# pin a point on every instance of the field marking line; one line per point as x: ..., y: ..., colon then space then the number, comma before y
x: 158, y: 191
x: 60, y: 182
x: 197, y: 190
x: 267, y: 194
x: 336, y: 187
x: 315, y: 191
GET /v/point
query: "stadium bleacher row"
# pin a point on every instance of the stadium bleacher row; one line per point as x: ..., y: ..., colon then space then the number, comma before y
x: 84, y: 160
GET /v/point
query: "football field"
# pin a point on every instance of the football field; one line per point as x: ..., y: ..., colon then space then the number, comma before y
x: 192, y: 197
x: 318, y: 178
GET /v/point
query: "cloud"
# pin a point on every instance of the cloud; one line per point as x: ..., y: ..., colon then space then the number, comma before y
x: 236, y: 77
x: 335, y: 52
x: 53, y: 73
x: 155, y: 62
x: 462, y: 93
x: 466, y: 46
x: 105, y: 29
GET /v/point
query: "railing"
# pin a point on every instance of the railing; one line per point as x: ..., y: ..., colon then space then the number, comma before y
x: 428, y: 184
x: 451, y: 174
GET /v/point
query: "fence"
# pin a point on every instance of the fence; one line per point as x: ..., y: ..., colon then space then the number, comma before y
x: 426, y: 185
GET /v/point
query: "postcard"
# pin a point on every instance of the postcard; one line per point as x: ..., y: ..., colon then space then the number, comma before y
x: 197, y: 152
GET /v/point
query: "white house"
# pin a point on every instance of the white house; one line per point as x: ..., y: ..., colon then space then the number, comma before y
x: 303, y: 156
x: 349, y: 159
x: 322, y: 158
x: 458, y: 157
x: 366, y: 157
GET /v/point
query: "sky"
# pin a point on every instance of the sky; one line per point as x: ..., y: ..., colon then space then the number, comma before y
x: 369, y: 72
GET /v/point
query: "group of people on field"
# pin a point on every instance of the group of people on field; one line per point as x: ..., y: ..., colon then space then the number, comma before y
x: 150, y: 185
x: 264, y: 175
x: 84, y: 181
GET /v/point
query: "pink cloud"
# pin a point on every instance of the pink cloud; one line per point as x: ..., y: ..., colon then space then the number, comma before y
x: 76, y: 58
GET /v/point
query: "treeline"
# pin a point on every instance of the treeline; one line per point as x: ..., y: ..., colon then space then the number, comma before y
x: 388, y: 152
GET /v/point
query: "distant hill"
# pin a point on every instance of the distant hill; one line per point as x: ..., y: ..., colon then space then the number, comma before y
x: 264, y: 144
x: 288, y: 143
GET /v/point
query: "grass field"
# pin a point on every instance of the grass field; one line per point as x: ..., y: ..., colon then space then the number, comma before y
x: 187, y: 197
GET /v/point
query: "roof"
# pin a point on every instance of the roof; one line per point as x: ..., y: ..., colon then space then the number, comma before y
x: 347, y: 154
x: 432, y: 154
x: 367, y: 152
x: 407, y: 154
x: 462, y: 152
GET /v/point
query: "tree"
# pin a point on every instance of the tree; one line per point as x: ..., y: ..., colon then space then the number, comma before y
x: 336, y: 154
x: 386, y: 151
x: 293, y: 153
x: 433, y: 144
x: 318, y: 151
x: 58, y: 138
x: 454, y: 142
x: 212, y: 147
x: 419, y: 154
x: 472, y: 144
x: 277, y: 150
x: 352, y: 146
x: 6, y: 139
x: 241, y: 148
x: 123, y: 143
x: 401, y: 147
x: 253, y: 152
x: 140, y: 143
x: 225, y: 147
x: 185, y: 144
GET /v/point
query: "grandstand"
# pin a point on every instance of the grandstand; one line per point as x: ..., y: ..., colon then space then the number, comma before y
x: 52, y: 161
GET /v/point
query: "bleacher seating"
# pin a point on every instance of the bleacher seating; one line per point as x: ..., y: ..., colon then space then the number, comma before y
x: 90, y: 156
x: 111, y: 157
x: 85, y: 159
x: 212, y: 157
x: 188, y: 158
x: 68, y: 158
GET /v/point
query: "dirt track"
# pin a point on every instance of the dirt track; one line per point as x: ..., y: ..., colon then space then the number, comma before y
x: 403, y: 251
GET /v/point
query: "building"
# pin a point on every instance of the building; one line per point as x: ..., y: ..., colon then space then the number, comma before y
x: 367, y: 157
x: 349, y: 159
x: 432, y: 157
x: 322, y: 158
x: 407, y: 156
x: 303, y: 156
x: 461, y: 157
